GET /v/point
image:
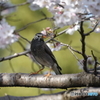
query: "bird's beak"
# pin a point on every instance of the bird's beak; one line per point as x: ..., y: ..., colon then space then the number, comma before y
x: 44, y: 36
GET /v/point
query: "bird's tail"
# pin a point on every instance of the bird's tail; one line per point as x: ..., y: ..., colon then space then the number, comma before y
x: 57, y: 69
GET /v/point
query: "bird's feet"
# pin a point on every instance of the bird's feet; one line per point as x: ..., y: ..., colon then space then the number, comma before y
x: 33, y: 73
x: 47, y: 75
x: 36, y: 72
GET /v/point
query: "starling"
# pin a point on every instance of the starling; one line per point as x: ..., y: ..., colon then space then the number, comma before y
x: 43, y: 55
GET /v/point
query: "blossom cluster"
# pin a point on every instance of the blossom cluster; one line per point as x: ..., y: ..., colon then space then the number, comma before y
x: 54, y: 46
x: 65, y: 12
x: 6, y: 31
x: 6, y: 7
x: 70, y: 12
x: 6, y: 34
x: 90, y: 62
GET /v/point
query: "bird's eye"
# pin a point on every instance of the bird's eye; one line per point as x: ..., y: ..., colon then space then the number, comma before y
x: 38, y: 36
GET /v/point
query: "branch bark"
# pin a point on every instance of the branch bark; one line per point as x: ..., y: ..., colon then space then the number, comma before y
x: 65, y: 95
x: 54, y: 81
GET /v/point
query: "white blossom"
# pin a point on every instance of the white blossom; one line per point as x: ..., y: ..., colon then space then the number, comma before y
x: 55, y: 46
x: 93, y: 6
x: 92, y: 24
x: 6, y: 34
x: 90, y: 62
x: 34, y: 7
x: 39, y: 4
x: 6, y: 7
x: 72, y: 29
x: 70, y: 12
x: 47, y: 32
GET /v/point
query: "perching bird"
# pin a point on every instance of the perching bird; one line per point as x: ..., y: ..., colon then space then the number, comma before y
x: 43, y: 55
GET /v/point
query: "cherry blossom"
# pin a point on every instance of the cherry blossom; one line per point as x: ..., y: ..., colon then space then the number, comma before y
x: 72, y: 29
x: 70, y: 12
x: 6, y: 34
x: 92, y: 24
x: 6, y: 7
x: 48, y: 32
x: 90, y: 62
x: 55, y: 46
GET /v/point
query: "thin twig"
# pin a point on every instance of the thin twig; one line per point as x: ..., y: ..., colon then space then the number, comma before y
x: 68, y: 46
x: 24, y: 38
x: 11, y: 66
x: 21, y: 29
x: 15, y: 55
x: 13, y: 6
x: 21, y: 45
x: 86, y: 34
x: 72, y: 48
x: 58, y: 34
x: 95, y: 65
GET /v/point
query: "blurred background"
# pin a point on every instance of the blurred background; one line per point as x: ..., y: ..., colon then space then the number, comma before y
x: 24, y: 64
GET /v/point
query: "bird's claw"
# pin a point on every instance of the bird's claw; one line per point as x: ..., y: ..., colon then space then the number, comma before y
x: 47, y: 75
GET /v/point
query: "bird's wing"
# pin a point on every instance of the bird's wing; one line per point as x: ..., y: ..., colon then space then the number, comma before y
x: 49, y: 52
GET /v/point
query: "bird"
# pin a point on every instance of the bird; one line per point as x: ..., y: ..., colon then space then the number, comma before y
x: 43, y: 55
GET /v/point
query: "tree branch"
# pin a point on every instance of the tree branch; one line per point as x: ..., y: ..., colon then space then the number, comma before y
x: 54, y: 81
x: 81, y: 31
x: 13, y: 56
x: 73, y: 94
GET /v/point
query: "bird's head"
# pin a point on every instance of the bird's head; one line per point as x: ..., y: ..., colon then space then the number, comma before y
x: 39, y: 36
